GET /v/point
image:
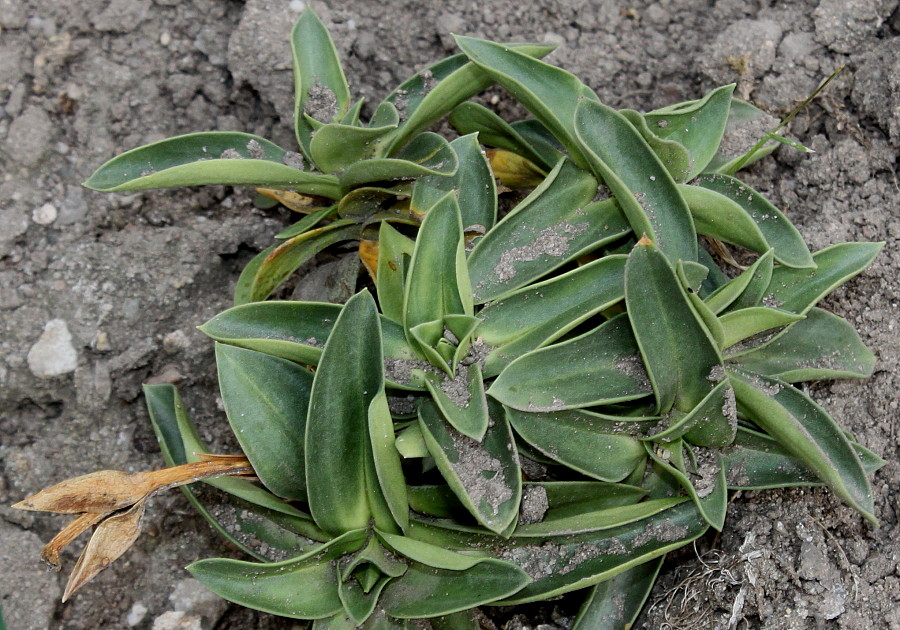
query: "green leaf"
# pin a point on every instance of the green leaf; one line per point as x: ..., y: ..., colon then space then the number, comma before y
x: 301, y: 588
x: 195, y: 159
x: 320, y: 88
x: 807, y: 432
x: 386, y: 459
x: 704, y: 480
x: 438, y: 284
x: 587, y: 442
x: 425, y: 591
x: 600, y: 367
x: 427, y: 154
x: 470, y: 118
x: 712, y: 422
x: 759, y: 277
x: 757, y: 462
x: 304, y: 224
x: 287, y: 257
x: 549, y: 93
x: 575, y: 497
x: 394, y: 255
x: 593, y: 520
x: 673, y: 155
x: 617, y: 602
x: 574, y: 562
x: 818, y: 347
x: 798, y: 290
x: 746, y: 322
x: 295, y: 331
x: 348, y: 378
x: 461, y: 400
x: 473, y: 185
x: 428, y: 554
x: 759, y: 273
x: 647, y: 194
x: 698, y: 126
x: 427, y: 96
x: 554, y: 224
x: 463, y: 620
x: 485, y: 476
x: 335, y: 146
x: 539, y: 314
x: 266, y: 399
x: 677, y: 350
x: 728, y: 209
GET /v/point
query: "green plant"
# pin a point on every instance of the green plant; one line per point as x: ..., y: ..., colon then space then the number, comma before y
x: 348, y: 176
x: 550, y: 406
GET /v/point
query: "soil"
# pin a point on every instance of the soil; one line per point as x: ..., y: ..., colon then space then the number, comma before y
x: 100, y: 293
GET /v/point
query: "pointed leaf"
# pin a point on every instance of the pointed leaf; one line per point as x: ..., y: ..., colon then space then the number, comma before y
x: 600, y: 367
x: 647, y: 194
x: 541, y: 313
x: 728, y: 209
x: 425, y: 591
x: 429, y: 95
x: 266, y: 398
x: 428, y: 554
x: 583, y: 441
x: 676, y: 348
x: 394, y: 255
x: 819, y: 347
x: 495, y: 132
x: 745, y: 125
x: 798, y: 290
x: 705, y: 484
x: 335, y: 146
x: 320, y: 88
x: 437, y: 283
x: 206, y: 158
x: 746, y: 322
x: 617, y: 602
x: 697, y: 126
x: 548, y: 92
x: 485, y: 476
x: 306, y: 223
x: 387, y: 459
x: 554, y: 224
x: 294, y: 330
x: 673, y: 155
x: 807, y: 432
x: 473, y: 185
x: 712, y: 422
x: 574, y: 562
x: 759, y: 278
x: 285, y: 259
x: 461, y: 400
x: 733, y: 289
x: 427, y: 154
x: 594, y: 520
x: 349, y: 376
x: 301, y: 588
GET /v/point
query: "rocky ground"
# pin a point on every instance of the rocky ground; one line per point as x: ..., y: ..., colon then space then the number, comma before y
x: 100, y: 293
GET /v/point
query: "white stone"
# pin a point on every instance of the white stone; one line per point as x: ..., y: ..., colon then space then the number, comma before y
x: 194, y: 599
x: 136, y: 614
x: 53, y: 354
x: 45, y: 215
x: 297, y: 6
x: 177, y: 620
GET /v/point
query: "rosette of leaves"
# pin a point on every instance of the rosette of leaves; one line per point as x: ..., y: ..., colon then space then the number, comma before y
x: 347, y: 176
x: 513, y: 425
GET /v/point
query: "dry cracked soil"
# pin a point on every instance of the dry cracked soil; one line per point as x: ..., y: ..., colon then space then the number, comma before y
x: 100, y: 293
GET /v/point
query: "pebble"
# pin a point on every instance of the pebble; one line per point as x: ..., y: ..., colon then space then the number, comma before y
x: 44, y: 215
x: 297, y: 6
x: 136, y: 614
x: 53, y: 354
x: 29, y: 136
x: 177, y: 620
x: 194, y: 600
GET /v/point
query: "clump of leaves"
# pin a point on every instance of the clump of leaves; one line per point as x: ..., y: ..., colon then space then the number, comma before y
x: 551, y: 406
x: 348, y: 175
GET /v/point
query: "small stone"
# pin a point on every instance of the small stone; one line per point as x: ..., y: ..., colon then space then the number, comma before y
x: 45, y: 215
x: 165, y: 39
x: 297, y: 6
x: 177, y: 620
x: 101, y: 342
x: 175, y: 341
x: 29, y: 136
x: 136, y: 614
x: 194, y: 599
x: 53, y: 354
